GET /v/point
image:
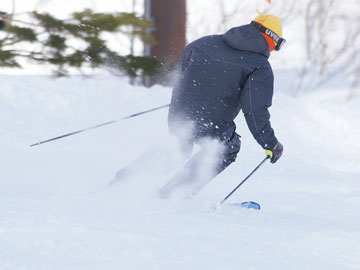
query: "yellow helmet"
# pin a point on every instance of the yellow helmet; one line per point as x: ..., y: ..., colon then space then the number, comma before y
x: 270, y: 25
x: 271, y: 22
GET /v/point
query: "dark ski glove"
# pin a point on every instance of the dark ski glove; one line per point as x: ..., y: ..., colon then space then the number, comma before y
x: 275, y: 153
x: 2, y: 23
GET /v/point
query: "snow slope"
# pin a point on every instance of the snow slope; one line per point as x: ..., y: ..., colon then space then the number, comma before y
x: 56, y: 214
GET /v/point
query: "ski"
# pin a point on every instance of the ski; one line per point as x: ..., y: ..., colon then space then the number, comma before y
x: 248, y: 205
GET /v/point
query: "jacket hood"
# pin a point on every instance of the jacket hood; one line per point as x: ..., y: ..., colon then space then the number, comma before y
x: 247, y: 38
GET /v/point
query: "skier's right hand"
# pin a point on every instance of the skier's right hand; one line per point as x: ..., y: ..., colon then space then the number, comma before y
x: 275, y: 153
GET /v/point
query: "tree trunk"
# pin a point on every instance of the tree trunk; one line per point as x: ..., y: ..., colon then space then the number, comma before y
x: 170, y: 23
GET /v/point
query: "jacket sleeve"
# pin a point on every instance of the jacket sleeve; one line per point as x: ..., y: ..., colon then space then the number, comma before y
x: 256, y: 98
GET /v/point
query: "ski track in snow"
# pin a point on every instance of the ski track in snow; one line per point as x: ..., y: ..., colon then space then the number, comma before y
x: 56, y: 213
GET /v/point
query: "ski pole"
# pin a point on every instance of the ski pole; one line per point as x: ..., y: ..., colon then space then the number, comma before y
x: 99, y: 125
x: 243, y: 181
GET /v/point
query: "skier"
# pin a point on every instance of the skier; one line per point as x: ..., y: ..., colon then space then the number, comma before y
x: 219, y: 76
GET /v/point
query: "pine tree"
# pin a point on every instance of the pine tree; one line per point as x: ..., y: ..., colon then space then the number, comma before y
x: 77, y: 42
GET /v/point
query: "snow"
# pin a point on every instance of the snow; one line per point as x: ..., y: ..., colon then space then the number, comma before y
x: 57, y: 214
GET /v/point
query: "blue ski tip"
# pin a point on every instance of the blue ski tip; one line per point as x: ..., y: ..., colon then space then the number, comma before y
x: 249, y: 205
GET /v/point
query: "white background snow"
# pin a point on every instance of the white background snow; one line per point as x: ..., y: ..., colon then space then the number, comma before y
x: 56, y: 214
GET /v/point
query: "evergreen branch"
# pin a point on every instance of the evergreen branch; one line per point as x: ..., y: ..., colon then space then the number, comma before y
x: 55, y: 36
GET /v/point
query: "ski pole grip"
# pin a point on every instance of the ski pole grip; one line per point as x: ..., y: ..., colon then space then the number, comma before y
x: 269, y: 153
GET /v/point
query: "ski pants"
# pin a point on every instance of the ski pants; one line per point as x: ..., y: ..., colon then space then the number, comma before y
x: 193, y: 171
x: 214, y: 156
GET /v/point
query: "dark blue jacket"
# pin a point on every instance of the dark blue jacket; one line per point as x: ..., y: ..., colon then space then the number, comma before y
x: 219, y: 76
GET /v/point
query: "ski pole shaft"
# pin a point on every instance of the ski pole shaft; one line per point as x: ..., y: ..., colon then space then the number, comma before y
x: 243, y: 181
x: 99, y: 125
